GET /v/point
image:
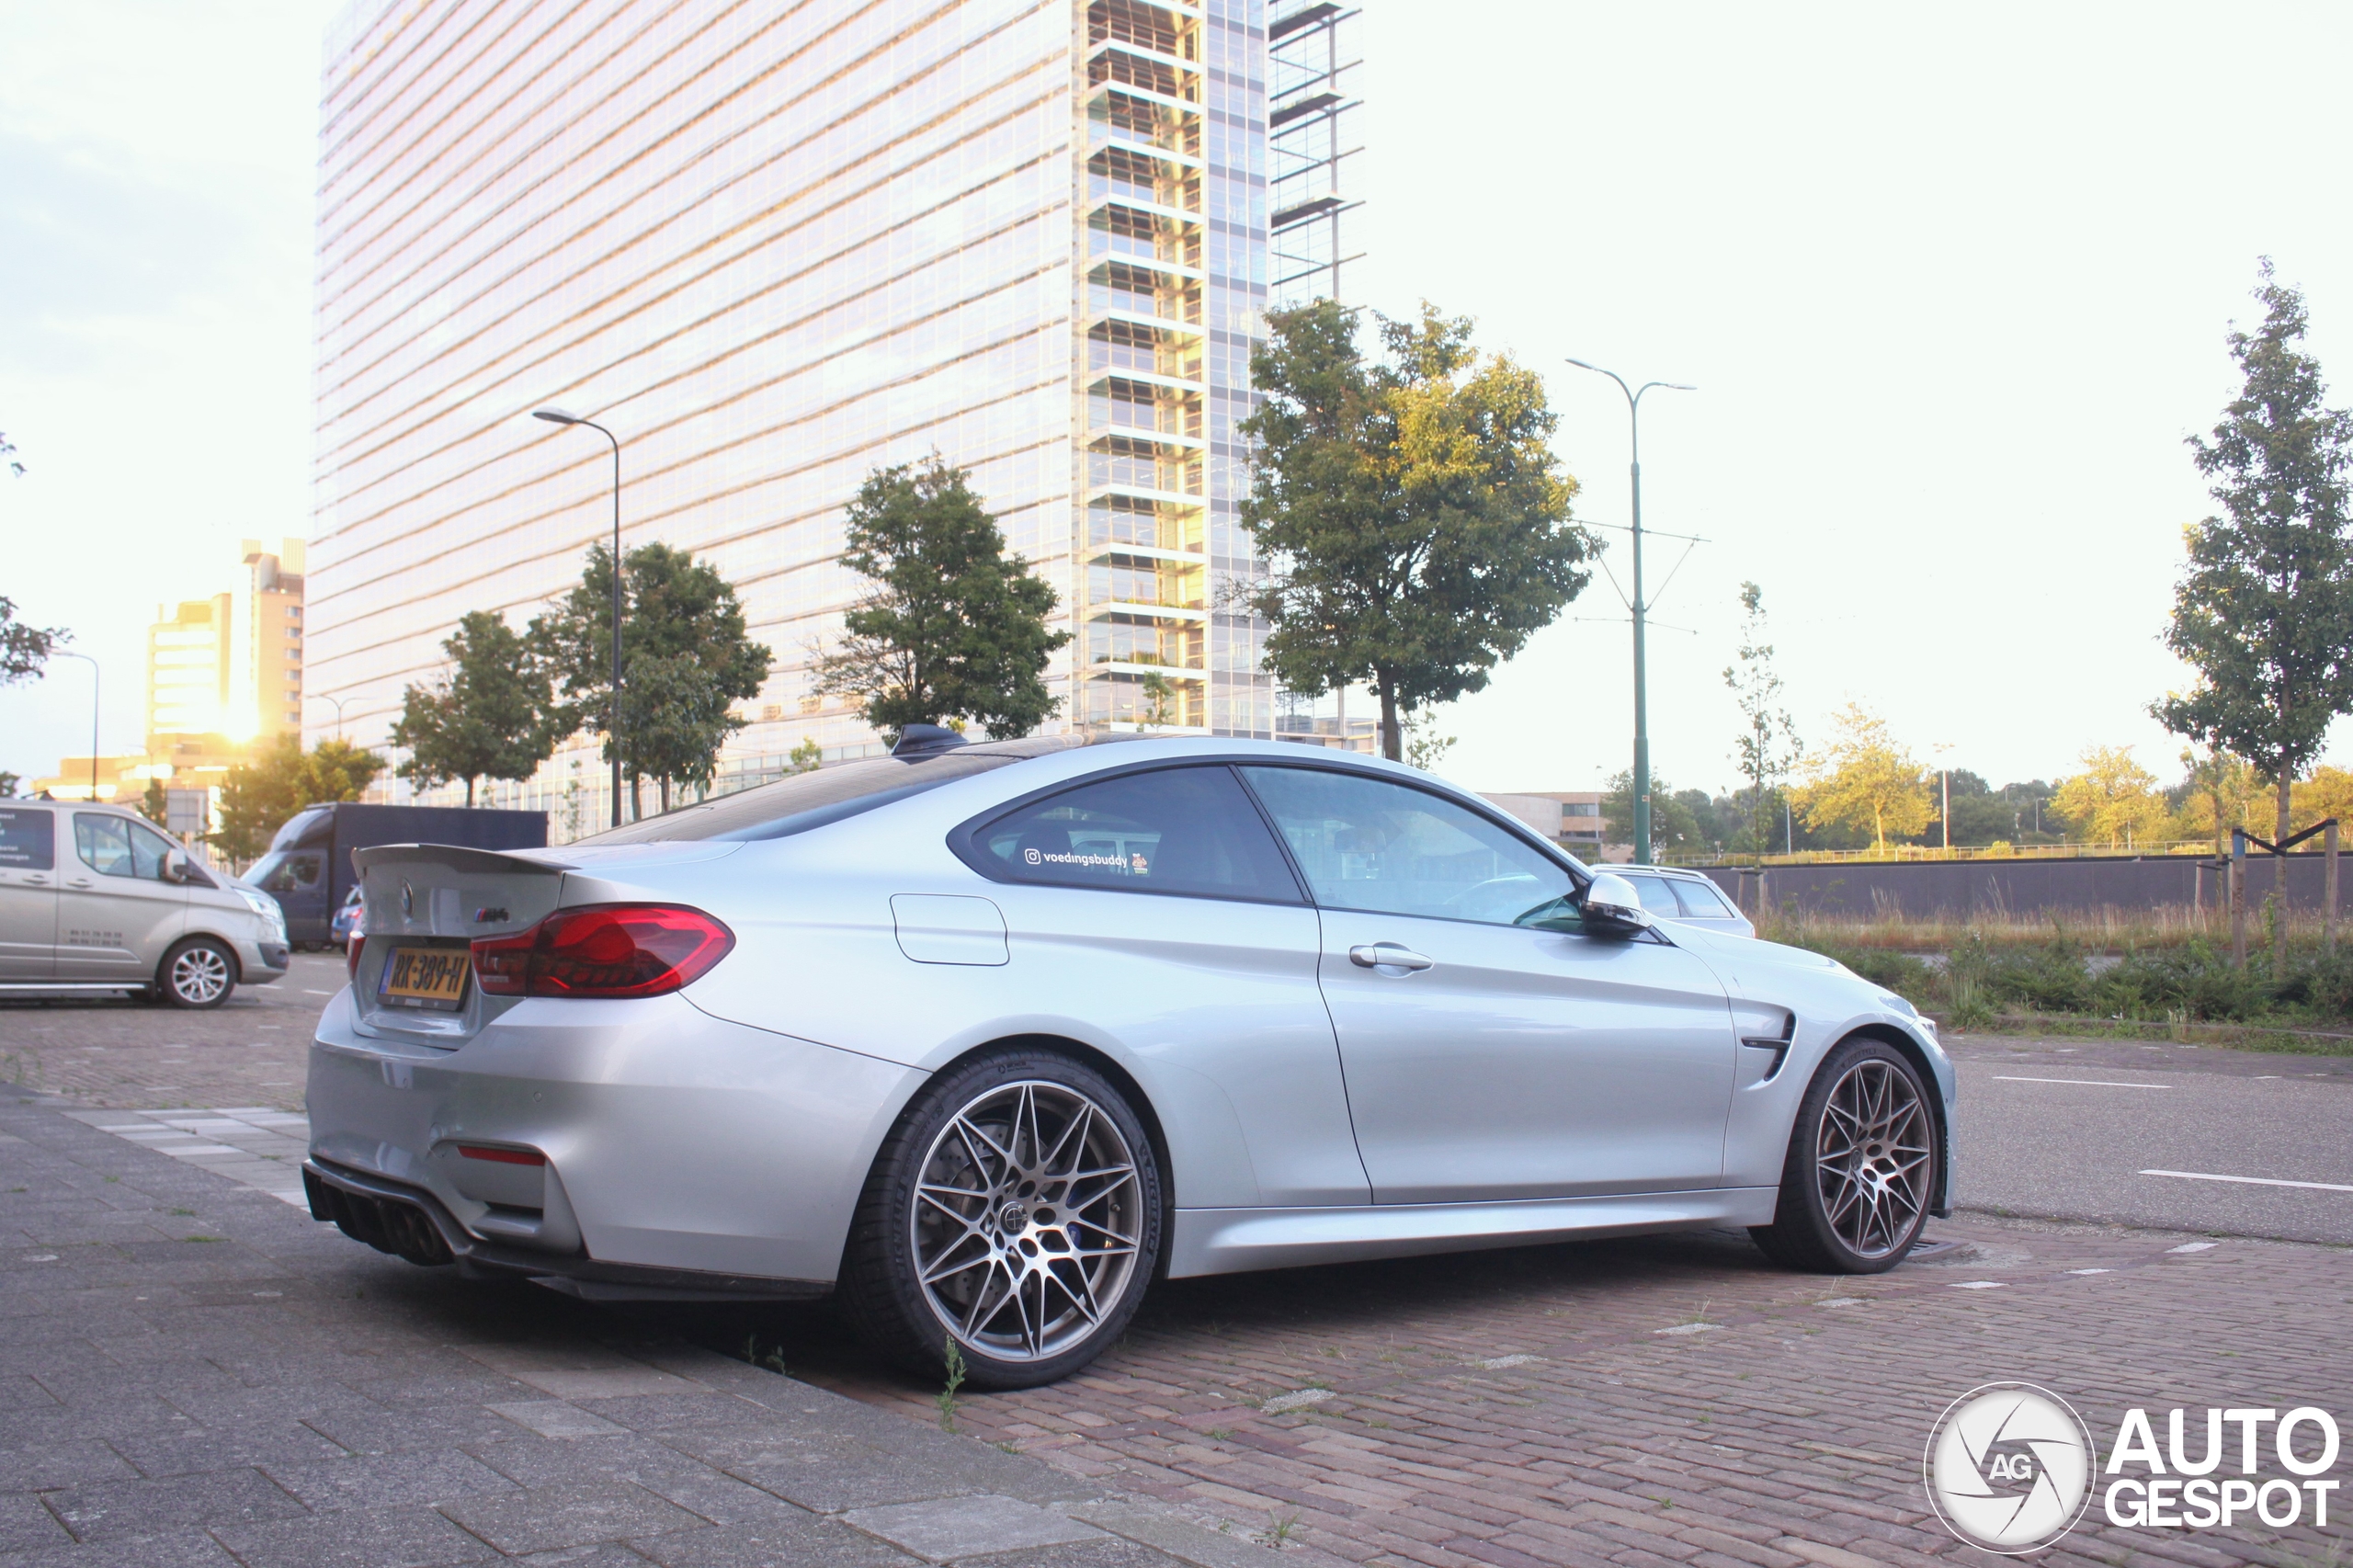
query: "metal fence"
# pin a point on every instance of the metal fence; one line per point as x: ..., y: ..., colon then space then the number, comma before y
x: 1915, y: 889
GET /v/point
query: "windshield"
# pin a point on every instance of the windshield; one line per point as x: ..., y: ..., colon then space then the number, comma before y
x: 306, y: 826
x: 812, y: 799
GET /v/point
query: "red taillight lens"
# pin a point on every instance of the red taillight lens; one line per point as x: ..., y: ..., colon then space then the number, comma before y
x: 356, y: 940
x: 604, y: 949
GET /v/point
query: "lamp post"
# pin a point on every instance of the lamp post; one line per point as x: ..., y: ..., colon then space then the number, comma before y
x: 339, y: 701
x: 1641, y: 672
x: 62, y: 654
x: 558, y: 417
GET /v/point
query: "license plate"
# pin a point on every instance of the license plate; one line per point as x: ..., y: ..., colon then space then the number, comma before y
x: 434, y: 978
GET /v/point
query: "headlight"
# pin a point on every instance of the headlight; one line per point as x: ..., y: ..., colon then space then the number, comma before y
x: 267, y: 907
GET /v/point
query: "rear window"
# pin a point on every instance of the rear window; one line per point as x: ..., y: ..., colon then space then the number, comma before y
x: 27, y: 842
x: 1702, y: 901
x: 808, y: 801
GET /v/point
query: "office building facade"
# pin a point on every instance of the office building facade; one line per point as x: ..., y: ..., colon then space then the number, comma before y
x: 774, y: 247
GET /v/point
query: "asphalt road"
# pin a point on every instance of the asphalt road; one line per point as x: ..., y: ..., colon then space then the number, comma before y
x: 2068, y: 1129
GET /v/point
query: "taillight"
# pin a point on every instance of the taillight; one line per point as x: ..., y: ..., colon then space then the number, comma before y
x: 353, y: 943
x: 604, y: 949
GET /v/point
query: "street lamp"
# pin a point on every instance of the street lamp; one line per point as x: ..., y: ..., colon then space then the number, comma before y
x: 62, y: 654
x: 339, y: 701
x: 558, y: 417
x: 1641, y: 673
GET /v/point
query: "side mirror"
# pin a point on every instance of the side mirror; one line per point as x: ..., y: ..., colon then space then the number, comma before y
x: 176, y: 866
x: 1611, y: 906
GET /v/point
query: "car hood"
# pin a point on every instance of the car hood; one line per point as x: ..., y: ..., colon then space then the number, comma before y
x: 1748, y: 949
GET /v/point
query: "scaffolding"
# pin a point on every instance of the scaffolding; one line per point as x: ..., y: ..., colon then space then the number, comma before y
x: 1312, y: 58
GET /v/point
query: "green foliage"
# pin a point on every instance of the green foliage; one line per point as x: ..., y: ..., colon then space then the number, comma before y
x: 257, y: 798
x: 493, y: 714
x: 1767, y: 750
x: 24, y: 650
x: 1684, y: 822
x: 683, y: 636
x: 154, y: 805
x: 1419, y: 517
x: 2264, y: 609
x: 953, y: 627
x: 9, y: 784
x: 806, y: 758
x: 952, y: 1360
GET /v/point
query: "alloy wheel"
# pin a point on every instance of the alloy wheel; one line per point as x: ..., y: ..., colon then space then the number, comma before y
x: 1027, y: 1221
x: 198, y: 976
x: 1871, y: 1158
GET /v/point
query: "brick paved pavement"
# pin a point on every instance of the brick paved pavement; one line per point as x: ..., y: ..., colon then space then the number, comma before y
x: 194, y: 1373
x: 1663, y: 1401
x: 1648, y: 1402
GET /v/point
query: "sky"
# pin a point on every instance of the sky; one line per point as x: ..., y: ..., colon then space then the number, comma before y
x: 1952, y: 283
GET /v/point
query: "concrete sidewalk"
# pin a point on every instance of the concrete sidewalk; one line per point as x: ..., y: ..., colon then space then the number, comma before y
x: 194, y: 1372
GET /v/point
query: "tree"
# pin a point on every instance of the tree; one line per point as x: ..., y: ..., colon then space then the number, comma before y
x: 682, y: 632
x: 2264, y: 609
x: 257, y: 798
x: 9, y: 784
x: 154, y: 804
x: 8, y: 451
x: 1425, y: 748
x: 24, y: 649
x: 491, y: 714
x: 2113, y: 799
x: 2220, y: 793
x: 1865, y: 780
x: 953, y: 627
x: 2328, y: 793
x: 1679, y: 821
x: 806, y: 758
x: 1415, y: 518
x: 1767, y: 750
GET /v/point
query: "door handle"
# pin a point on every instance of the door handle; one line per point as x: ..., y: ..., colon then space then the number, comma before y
x: 36, y: 881
x: 79, y: 883
x: 1387, y: 955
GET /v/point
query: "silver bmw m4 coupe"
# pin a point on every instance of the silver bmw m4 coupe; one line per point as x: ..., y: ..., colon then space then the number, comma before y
x: 984, y: 1039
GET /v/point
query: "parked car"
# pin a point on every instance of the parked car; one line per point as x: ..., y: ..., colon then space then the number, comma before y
x: 345, y: 918
x: 92, y: 898
x: 1675, y: 893
x: 985, y: 1037
x: 308, y: 868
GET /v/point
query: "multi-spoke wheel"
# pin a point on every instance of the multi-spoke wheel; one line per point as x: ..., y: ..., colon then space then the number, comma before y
x: 1861, y: 1167
x: 199, y: 972
x: 1015, y: 1212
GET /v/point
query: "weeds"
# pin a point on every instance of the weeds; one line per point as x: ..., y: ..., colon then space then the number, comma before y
x: 773, y: 1360
x: 1279, y: 1531
x: 946, y: 1397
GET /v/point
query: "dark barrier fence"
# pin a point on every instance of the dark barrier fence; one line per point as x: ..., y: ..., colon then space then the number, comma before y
x: 1926, y: 889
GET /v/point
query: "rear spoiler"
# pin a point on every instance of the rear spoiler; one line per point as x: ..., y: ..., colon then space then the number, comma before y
x: 456, y: 857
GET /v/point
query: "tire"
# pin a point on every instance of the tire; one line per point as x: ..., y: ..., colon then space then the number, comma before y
x: 966, y: 1235
x: 196, y: 974
x: 1861, y: 1167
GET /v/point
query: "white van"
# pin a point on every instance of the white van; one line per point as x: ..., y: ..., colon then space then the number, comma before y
x: 92, y: 898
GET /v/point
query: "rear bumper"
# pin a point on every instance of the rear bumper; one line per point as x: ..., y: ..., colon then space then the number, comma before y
x: 652, y: 1137
x: 410, y: 1222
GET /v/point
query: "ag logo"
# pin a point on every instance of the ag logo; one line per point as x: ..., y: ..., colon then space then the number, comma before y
x: 2009, y: 1467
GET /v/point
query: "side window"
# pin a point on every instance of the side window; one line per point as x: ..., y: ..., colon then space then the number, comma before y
x: 27, y: 841
x: 1702, y: 901
x: 1368, y: 844
x: 1181, y: 830
x: 296, y: 870
x: 148, y: 848
x: 1657, y: 896
x: 104, y: 844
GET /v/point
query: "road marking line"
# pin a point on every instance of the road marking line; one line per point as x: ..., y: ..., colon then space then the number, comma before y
x: 2252, y: 1181
x: 308, y: 992
x: 2091, y: 1271
x: 2087, y: 1082
x: 1979, y: 1285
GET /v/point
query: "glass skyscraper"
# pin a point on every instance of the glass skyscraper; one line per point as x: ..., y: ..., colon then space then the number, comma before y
x: 775, y: 246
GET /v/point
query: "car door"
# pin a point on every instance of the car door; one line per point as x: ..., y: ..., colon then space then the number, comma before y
x: 27, y: 894
x: 115, y: 914
x: 1492, y: 1050
x: 1156, y: 906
